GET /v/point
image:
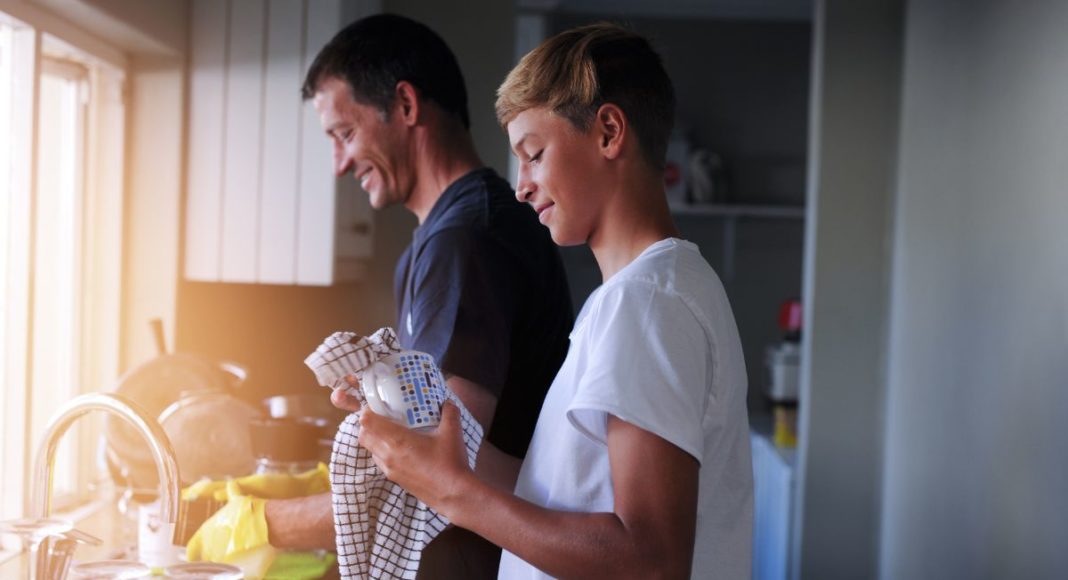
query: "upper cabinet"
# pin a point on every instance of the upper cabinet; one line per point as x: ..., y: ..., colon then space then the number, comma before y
x: 263, y: 205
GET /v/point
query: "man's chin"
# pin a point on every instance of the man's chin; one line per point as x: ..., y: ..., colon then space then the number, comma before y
x: 379, y: 201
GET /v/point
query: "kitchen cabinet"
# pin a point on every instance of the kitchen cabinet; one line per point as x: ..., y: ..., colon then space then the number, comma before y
x: 262, y: 203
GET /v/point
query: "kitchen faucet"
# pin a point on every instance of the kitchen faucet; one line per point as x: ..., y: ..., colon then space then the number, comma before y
x: 158, y: 443
x: 51, y: 541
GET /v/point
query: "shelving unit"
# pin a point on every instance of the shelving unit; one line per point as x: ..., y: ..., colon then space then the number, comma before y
x: 738, y: 210
x: 731, y: 213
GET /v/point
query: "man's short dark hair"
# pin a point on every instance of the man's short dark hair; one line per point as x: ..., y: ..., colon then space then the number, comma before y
x: 373, y: 54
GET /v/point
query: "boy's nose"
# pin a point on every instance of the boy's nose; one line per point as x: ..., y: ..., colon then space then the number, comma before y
x: 524, y: 186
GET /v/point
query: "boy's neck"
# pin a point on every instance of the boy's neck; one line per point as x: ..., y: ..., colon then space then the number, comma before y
x: 636, y: 217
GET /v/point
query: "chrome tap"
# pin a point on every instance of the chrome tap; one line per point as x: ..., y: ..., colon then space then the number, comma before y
x: 166, y: 462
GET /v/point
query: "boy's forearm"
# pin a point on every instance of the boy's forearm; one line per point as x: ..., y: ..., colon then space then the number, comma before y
x: 305, y: 523
x: 562, y: 544
x: 497, y: 468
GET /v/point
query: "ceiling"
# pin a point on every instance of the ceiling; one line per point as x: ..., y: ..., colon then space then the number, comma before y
x: 712, y: 9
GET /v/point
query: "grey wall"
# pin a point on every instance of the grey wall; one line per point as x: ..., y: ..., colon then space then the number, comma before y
x: 856, y: 83
x: 742, y: 91
x: 976, y: 482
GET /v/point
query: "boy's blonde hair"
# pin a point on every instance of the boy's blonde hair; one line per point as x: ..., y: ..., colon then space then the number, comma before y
x: 578, y: 70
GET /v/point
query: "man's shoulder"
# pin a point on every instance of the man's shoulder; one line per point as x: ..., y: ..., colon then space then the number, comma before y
x: 483, y: 200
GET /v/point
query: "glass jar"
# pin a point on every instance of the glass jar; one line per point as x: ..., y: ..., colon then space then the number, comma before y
x: 267, y: 465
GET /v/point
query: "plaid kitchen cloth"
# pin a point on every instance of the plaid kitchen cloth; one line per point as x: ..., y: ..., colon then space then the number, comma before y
x: 347, y: 353
x: 381, y: 528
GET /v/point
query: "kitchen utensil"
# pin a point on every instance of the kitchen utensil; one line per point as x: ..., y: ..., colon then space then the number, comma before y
x: 285, y: 445
x: 210, y: 434
x: 299, y: 406
x: 154, y: 386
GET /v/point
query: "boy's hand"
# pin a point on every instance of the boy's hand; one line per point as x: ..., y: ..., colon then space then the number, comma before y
x: 432, y: 466
x: 344, y: 401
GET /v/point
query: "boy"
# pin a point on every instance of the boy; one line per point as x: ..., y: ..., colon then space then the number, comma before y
x: 639, y: 466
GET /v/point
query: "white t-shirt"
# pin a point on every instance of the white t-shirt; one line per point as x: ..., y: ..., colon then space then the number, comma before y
x: 656, y: 346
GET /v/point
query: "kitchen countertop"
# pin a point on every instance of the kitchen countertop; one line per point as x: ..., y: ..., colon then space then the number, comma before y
x: 103, y: 520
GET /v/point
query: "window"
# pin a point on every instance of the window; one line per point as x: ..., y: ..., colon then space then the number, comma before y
x: 61, y: 141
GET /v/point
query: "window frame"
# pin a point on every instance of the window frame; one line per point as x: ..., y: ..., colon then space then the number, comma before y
x: 47, y: 45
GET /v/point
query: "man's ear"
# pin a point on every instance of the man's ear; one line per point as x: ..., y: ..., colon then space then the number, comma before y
x: 407, y: 102
x: 612, y: 128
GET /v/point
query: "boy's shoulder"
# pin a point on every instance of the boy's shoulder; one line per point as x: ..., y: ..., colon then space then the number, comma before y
x: 673, y: 266
x: 669, y: 276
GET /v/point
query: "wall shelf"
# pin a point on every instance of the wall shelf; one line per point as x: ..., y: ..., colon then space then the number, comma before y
x: 739, y: 210
x: 731, y: 213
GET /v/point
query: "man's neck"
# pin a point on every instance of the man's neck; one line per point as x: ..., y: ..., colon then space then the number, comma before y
x: 440, y: 158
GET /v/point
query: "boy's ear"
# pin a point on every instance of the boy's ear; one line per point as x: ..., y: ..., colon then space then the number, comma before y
x: 612, y: 128
x: 407, y: 102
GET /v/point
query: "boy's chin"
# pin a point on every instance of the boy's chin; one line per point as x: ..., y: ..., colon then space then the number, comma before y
x: 565, y: 239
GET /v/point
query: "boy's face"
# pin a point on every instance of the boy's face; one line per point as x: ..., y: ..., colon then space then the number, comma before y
x: 371, y: 148
x: 557, y: 174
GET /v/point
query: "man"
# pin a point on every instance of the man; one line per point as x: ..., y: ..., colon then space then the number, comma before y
x: 639, y: 466
x: 481, y: 287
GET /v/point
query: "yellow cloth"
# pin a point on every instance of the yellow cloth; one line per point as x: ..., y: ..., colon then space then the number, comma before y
x: 237, y: 533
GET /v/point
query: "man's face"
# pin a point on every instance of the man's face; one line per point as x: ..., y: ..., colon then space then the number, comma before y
x: 557, y: 174
x: 373, y: 149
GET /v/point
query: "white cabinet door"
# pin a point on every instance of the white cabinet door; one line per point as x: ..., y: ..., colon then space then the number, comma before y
x: 244, y: 127
x: 317, y: 193
x: 263, y: 204
x: 205, y: 146
x: 280, y: 173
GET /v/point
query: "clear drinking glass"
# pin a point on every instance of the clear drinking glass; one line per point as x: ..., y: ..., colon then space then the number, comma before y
x: 33, y: 532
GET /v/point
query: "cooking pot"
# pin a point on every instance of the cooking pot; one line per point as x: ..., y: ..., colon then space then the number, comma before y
x: 154, y: 386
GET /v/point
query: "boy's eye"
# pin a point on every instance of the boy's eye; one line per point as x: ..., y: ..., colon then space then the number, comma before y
x: 536, y: 156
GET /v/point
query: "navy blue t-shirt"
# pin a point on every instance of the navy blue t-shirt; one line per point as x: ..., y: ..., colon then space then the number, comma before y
x: 482, y: 289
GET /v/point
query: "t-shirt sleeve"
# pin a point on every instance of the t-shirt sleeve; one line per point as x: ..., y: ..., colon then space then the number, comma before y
x: 464, y: 304
x: 648, y: 365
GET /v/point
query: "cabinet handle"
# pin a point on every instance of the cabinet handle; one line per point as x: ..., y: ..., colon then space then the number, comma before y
x: 361, y: 228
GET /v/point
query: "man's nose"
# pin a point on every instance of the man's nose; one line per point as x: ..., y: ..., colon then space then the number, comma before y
x: 342, y: 163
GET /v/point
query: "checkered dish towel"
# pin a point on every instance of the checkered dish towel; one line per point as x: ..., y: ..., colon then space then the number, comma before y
x: 381, y: 528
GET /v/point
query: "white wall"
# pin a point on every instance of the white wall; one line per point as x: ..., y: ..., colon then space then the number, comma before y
x: 976, y: 475
x: 853, y: 132
x: 154, y: 182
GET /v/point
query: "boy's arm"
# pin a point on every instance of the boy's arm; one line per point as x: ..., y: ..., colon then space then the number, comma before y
x: 308, y: 523
x: 649, y: 533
